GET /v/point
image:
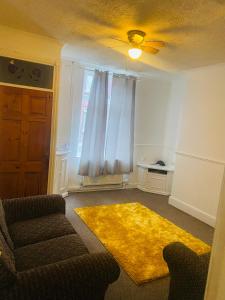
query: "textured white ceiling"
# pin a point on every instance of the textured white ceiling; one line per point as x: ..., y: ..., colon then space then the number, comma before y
x: 194, y: 30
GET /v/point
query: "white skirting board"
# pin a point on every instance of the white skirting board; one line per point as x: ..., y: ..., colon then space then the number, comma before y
x: 79, y: 188
x: 149, y: 190
x: 193, y: 211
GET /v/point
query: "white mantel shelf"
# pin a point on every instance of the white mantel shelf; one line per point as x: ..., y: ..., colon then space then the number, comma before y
x: 168, y: 168
x: 154, y: 178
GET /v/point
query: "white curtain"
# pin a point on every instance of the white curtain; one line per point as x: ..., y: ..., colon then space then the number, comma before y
x: 109, y: 129
x: 120, y: 127
x: 92, y: 155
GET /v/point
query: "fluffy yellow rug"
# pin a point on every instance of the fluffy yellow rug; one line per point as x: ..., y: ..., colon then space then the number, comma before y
x: 136, y: 236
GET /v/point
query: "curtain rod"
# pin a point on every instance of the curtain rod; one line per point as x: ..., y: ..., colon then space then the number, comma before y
x: 117, y: 74
x: 108, y: 69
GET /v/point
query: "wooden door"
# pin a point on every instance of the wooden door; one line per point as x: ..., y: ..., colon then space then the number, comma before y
x: 25, y: 127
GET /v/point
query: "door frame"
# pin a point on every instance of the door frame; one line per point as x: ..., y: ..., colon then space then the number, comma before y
x: 54, y: 119
x: 215, y: 288
x: 54, y: 122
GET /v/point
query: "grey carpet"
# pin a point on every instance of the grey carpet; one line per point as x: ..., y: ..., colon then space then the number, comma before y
x: 125, y: 288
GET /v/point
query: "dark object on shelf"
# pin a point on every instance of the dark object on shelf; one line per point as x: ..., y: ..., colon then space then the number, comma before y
x: 188, y: 272
x: 42, y: 257
x: 21, y: 72
x: 160, y: 163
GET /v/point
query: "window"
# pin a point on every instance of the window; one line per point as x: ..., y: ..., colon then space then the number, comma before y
x: 106, y: 146
x: 88, y: 77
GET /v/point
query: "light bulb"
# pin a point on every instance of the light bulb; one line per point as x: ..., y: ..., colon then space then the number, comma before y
x: 135, y: 53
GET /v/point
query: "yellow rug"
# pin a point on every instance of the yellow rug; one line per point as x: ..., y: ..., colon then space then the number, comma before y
x: 136, y: 236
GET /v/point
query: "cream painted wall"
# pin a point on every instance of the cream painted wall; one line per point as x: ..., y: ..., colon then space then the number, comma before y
x: 158, y: 108
x: 77, y: 89
x: 203, y: 125
x: 32, y: 47
x: 152, y: 103
x: 64, y: 106
x: 196, y: 187
x: 156, y: 122
x: 174, y: 115
x: 70, y: 97
x: 201, y: 148
x: 29, y: 46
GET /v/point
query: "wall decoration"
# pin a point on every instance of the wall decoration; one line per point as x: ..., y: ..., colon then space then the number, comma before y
x: 26, y: 73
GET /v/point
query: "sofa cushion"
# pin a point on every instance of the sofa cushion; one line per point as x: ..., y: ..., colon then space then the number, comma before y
x: 49, y: 252
x: 3, y: 226
x: 39, y: 229
x: 7, y: 264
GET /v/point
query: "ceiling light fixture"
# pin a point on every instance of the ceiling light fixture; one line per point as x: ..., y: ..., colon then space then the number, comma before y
x: 135, y: 53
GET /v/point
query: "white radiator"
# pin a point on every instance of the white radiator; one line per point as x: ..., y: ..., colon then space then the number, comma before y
x: 103, y: 181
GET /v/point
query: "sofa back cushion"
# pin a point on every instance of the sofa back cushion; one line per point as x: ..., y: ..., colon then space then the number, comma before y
x: 7, y: 264
x: 4, y: 228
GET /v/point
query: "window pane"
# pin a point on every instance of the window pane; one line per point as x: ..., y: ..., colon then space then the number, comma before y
x: 88, y: 77
x: 88, y: 82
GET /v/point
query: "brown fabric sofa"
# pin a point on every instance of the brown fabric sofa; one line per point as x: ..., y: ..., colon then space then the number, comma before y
x: 43, y: 258
x: 188, y: 272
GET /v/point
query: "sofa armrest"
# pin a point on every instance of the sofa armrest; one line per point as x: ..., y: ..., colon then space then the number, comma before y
x: 83, y: 278
x: 188, y: 272
x: 18, y: 209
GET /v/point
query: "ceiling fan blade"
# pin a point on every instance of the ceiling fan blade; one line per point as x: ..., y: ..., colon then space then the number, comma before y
x: 122, y: 41
x: 156, y: 43
x: 149, y: 49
